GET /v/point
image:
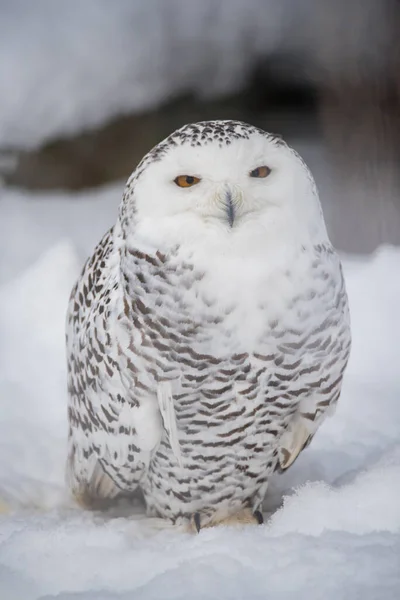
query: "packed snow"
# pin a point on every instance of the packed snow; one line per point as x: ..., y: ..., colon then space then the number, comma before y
x: 332, y: 521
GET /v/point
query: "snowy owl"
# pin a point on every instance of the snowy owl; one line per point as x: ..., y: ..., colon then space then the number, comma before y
x: 208, y: 334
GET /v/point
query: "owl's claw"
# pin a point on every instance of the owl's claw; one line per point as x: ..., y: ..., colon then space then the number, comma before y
x: 259, y: 517
x: 196, y: 520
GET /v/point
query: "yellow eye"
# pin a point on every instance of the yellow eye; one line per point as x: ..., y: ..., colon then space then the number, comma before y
x: 260, y: 172
x: 186, y: 180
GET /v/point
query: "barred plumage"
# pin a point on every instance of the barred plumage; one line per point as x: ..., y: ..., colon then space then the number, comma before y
x: 203, y: 354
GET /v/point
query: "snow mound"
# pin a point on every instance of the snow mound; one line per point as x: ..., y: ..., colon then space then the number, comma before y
x: 368, y: 504
x: 32, y: 378
x: 335, y: 532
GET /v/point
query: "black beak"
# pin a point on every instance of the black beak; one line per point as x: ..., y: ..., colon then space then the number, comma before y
x: 230, y: 209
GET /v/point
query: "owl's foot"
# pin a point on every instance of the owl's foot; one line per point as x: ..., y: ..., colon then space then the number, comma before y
x: 244, y: 517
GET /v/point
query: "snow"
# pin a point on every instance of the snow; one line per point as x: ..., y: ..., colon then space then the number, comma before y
x: 68, y: 66
x: 332, y: 521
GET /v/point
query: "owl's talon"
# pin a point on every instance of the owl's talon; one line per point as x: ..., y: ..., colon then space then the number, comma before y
x: 259, y: 517
x: 196, y: 520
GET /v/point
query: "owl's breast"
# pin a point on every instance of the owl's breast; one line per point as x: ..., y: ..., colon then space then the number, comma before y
x: 228, y: 431
x: 239, y: 318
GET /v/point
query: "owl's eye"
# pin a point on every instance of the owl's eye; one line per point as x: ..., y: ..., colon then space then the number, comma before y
x: 186, y: 180
x: 260, y: 172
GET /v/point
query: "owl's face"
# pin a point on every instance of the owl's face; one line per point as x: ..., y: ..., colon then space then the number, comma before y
x: 231, y: 189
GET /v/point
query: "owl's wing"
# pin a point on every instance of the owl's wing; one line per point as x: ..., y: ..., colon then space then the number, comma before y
x: 331, y: 353
x: 309, y: 417
x: 114, y: 416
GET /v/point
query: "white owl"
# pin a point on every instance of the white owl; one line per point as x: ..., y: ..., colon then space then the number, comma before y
x: 208, y: 334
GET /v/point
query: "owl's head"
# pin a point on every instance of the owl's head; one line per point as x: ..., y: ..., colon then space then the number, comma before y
x: 225, y: 181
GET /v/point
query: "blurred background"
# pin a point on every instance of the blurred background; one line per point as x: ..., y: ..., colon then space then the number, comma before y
x: 86, y: 88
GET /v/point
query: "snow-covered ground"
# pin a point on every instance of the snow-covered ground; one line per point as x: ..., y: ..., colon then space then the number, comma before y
x: 335, y: 532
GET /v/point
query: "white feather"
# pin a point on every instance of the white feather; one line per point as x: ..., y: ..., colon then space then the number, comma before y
x: 166, y: 404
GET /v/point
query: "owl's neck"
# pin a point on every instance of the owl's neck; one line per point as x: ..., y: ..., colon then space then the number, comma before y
x: 216, y: 272
x: 274, y: 241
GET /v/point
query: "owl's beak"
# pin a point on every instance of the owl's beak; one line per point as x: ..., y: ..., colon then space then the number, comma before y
x: 230, y: 208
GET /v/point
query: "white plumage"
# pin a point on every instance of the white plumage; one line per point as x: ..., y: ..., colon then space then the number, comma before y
x: 208, y: 334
